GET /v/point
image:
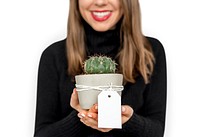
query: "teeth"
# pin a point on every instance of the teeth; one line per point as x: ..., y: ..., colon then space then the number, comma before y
x: 101, y: 14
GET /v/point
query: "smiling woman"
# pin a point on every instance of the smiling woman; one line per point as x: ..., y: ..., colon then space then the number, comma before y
x: 101, y: 15
x: 111, y: 28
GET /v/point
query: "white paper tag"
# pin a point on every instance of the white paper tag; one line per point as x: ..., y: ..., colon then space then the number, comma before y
x: 109, y: 109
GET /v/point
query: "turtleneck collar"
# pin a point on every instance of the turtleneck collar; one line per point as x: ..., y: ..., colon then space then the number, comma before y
x: 102, y: 43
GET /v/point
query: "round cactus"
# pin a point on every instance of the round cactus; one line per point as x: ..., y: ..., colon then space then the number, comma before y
x: 99, y: 65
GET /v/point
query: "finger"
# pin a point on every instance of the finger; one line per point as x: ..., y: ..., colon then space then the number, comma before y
x: 90, y: 122
x: 127, y: 110
x: 74, y: 102
x: 92, y: 115
x: 74, y: 96
x: 94, y: 108
x: 82, y: 114
x: 74, y: 93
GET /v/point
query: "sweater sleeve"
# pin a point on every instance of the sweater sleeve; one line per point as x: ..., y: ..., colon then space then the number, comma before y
x: 48, y: 123
x: 152, y: 122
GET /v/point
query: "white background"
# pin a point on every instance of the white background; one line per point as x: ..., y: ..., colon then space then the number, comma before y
x: 27, y: 27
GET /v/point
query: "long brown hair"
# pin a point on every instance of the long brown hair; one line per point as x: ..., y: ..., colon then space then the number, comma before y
x: 135, y: 56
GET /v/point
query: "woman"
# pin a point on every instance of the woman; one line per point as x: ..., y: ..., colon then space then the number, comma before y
x: 112, y: 28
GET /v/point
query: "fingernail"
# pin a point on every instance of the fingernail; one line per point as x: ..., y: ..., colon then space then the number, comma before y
x: 83, y: 115
x: 89, y: 115
x: 123, y: 109
x: 96, y: 107
x: 73, y: 91
x: 79, y: 115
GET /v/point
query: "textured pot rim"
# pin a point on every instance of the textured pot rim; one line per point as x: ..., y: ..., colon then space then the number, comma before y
x: 99, y: 74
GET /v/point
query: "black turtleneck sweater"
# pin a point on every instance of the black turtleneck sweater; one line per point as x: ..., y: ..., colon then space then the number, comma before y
x: 102, y: 43
x: 55, y: 117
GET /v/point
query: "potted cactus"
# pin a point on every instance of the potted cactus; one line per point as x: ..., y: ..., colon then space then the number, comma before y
x: 99, y: 75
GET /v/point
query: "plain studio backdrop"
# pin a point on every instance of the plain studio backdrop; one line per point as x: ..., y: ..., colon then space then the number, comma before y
x: 27, y: 27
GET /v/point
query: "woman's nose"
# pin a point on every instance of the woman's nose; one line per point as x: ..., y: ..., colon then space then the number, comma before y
x: 100, y: 2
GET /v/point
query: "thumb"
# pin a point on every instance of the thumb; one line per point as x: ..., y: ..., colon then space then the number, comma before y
x: 127, y: 110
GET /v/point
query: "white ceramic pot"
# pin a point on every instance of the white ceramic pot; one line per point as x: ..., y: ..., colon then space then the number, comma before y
x: 89, y: 86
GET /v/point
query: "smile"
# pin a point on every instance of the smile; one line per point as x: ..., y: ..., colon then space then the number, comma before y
x: 101, y: 15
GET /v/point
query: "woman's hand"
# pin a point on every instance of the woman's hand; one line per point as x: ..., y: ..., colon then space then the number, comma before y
x: 90, y: 117
x: 127, y: 113
x: 74, y: 103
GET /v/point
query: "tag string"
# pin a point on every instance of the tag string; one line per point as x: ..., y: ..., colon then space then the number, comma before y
x: 100, y: 88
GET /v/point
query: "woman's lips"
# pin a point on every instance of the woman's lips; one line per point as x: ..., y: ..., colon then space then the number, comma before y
x: 101, y: 15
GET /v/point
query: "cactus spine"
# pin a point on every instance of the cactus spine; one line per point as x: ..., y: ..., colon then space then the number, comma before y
x: 99, y: 65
